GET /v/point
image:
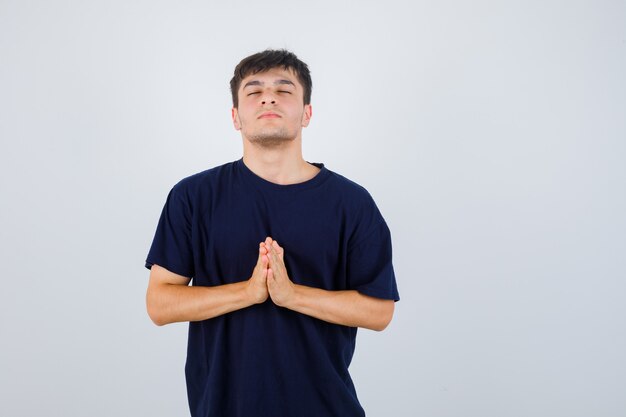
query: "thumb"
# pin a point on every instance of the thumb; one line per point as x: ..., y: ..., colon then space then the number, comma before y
x: 262, y: 254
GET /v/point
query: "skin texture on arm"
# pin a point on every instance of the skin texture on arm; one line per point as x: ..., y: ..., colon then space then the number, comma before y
x: 348, y: 308
x: 170, y: 299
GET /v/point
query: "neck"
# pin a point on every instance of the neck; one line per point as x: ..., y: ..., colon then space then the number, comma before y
x: 281, y: 164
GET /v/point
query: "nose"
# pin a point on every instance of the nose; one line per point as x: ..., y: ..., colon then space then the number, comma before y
x: 268, y: 98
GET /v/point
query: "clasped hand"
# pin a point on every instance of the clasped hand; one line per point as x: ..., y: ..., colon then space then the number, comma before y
x: 269, y: 278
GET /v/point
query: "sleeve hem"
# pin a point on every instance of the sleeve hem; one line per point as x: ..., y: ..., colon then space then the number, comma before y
x: 373, y: 292
x: 172, y: 268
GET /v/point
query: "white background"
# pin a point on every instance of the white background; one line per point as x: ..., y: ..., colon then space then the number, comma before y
x: 492, y: 136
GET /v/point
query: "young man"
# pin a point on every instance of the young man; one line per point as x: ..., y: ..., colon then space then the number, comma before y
x: 287, y: 260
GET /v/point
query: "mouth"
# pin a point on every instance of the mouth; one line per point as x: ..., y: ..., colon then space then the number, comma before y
x: 269, y: 115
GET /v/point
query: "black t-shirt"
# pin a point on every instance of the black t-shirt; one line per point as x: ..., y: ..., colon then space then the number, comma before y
x: 266, y: 360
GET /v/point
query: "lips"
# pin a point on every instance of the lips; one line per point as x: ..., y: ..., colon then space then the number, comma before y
x: 269, y: 115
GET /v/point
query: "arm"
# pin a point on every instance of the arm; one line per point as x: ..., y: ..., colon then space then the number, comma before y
x: 170, y: 299
x: 348, y: 307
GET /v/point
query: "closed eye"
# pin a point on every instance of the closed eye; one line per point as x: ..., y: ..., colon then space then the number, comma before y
x: 282, y: 91
x: 254, y: 92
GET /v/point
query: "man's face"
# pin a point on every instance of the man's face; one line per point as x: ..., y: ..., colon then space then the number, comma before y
x: 271, y: 108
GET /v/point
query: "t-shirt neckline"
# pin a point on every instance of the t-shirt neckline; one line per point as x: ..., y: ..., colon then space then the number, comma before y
x: 262, y: 183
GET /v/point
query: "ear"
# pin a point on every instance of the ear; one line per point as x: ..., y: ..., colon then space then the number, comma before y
x: 306, y: 116
x: 234, y: 114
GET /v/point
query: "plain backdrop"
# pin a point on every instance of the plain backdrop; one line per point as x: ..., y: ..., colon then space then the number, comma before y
x: 492, y: 136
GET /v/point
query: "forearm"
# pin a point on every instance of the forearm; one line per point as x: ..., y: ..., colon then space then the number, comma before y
x: 348, y: 308
x: 170, y: 303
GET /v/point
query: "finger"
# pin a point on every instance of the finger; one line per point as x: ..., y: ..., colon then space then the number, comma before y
x: 274, y: 259
x: 263, y: 261
x: 277, y: 248
x: 278, y: 271
x: 270, y: 275
x: 262, y: 253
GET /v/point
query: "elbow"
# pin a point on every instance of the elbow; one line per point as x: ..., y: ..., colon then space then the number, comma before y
x: 155, y: 316
x: 156, y: 319
x: 154, y: 312
x: 385, y: 316
x: 379, y: 327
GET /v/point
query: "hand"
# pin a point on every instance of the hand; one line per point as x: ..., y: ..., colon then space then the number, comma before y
x: 257, y: 284
x: 280, y: 287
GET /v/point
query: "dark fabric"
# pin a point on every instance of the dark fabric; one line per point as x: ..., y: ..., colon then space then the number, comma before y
x: 266, y: 360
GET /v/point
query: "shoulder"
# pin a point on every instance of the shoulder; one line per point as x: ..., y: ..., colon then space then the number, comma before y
x: 202, y: 182
x: 353, y: 194
x: 362, y: 216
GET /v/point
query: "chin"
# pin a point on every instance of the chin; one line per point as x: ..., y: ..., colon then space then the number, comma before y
x: 271, y: 139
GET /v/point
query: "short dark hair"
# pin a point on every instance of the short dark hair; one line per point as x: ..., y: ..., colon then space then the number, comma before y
x: 267, y: 60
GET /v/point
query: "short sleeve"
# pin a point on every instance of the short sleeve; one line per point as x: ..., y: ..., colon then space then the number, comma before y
x: 370, y: 268
x: 171, y: 247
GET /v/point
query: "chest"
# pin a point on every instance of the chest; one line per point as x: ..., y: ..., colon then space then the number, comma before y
x: 310, y: 228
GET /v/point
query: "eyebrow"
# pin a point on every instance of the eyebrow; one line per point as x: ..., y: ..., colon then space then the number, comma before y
x: 277, y: 82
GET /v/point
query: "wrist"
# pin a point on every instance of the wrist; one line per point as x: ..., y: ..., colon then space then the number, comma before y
x: 292, y: 300
x: 247, y: 293
x: 253, y: 293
